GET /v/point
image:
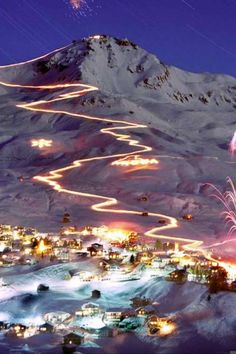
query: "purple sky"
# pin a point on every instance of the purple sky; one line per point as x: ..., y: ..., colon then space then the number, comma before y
x: 197, y: 35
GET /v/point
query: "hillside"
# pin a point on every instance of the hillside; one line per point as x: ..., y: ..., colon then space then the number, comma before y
x: 190, y: 120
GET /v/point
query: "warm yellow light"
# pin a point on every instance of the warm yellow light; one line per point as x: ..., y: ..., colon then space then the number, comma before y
x: 41, y: 143
x: 97, y: 36
x: 117, y: 235
x: 135, y: 160
x: 41, y: 247
x: 167, y: 329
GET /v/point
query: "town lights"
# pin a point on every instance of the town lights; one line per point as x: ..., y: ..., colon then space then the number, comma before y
x: 135, y: 160
x: 41, y: 143
x: 117, y: 235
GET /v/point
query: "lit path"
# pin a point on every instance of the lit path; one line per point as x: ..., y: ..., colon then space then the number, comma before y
x: 120, y: 132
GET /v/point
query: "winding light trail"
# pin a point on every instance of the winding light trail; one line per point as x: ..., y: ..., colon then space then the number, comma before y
x: 106, y: 203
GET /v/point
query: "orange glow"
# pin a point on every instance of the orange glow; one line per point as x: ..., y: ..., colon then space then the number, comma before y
x: 167, y: 329
x: 41, y: 143
x: 41, y: 247
x: 135, y: 160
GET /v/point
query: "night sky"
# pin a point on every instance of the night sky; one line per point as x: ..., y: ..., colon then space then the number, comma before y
x: 196, y: 35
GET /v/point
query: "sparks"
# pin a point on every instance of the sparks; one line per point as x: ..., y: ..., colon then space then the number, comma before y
x: 228, y: 199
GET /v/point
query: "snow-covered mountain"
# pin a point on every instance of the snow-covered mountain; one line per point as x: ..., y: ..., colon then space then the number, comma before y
x: 190, y: 120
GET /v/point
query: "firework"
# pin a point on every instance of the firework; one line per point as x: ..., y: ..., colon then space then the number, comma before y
x: 80, y: 7
x: 76, y: 4
x: 232, y: 145
x: 228, y: 199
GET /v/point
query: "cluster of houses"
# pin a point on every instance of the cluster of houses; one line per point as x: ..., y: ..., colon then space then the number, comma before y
x: 124, y: 258
x: 92, y: 321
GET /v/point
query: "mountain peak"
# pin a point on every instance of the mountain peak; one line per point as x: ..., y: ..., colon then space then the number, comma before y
x: 119, y: 66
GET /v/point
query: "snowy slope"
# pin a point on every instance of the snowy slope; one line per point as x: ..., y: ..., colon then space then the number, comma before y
x: 190, y: 120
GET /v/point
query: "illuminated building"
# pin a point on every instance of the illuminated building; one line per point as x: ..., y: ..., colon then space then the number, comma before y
x: 113, y: 314
x: 161, y: 326
x: 145, y: 311
x: 88, y: 309
x: 114, y: 255
x: 57, y: 317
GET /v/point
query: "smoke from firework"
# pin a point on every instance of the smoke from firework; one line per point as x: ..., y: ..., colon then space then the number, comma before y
x: 232, y: 145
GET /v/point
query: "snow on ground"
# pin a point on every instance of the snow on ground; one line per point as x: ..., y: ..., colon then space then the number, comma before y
x: 190, y: 120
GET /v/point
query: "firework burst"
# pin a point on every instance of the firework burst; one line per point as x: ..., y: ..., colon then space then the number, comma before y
x: 228, y: 199
x: 80, y: 7
x: 77, y: 4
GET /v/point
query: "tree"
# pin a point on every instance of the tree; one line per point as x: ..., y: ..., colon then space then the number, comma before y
x: 158, y: 245
x: 217, y: 280
x: 132, y: 259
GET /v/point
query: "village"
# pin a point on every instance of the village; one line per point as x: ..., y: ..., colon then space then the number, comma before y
x: 116, y: 256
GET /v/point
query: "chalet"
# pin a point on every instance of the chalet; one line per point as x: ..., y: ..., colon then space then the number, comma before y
x: 73, y: 338
x: 88, y: 309
x: 114, y: 255
x: 178, y: 275
x: 98, y: 246
x: 46, y: 328
x: 17, y: 330
x: 113, y: 314
x: 144, y: 257
x: 96, y: 294
x: 160, y: 325
x: 145, y: 311
x: 3, y: 326
x: 94, y: 251
x: 57, y: 317
x: 140, y: 302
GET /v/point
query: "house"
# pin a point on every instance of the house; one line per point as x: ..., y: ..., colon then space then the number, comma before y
x: 114, y: 255
x: 137, y: 302
x: 98, y: 246
x: 93, y: 251
x: 162, y: 326
x: 96, y: 294
x: 3, y: 326
x: 57, y: 317
x: 145, y: 311
x: 113, y: 314
x: 46, y: 328
x: 17, y: 330
x: 178, y: 275
x: 88, y: 309
x: 145, y: 257
x: 73, y: 338
x: 129, y: 312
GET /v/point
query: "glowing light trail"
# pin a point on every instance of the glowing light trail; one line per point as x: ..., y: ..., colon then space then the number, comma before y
x: 106, y: 204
